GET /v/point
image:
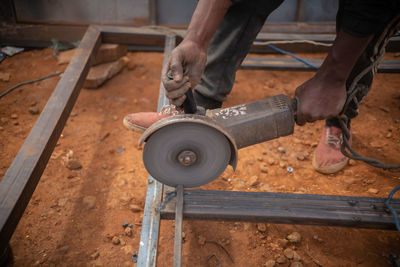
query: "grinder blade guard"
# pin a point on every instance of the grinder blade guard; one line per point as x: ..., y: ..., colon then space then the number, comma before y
x: 192, y: 150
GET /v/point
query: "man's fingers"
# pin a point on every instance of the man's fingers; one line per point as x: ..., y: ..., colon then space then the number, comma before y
x: 171, y: 85
x: 178, y: 92
x: 178, y: 101
x: 176, y: 67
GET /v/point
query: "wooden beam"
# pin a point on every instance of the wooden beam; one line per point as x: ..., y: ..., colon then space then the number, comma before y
x: 360, y: 212
x: 21, y: 178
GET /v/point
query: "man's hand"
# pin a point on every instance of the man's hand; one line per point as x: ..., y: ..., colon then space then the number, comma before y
x: 185, y: 65
x: 319, y: 98
x: 323, y: 96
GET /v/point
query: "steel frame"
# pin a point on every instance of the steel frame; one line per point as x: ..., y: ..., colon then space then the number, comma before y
x: 20, y: 180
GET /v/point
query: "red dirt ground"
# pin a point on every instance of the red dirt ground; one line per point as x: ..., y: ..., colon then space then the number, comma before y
x: 59, y: 228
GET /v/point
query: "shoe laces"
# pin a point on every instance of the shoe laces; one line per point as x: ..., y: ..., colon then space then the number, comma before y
x: 333, y: 140
x: 169, y: 110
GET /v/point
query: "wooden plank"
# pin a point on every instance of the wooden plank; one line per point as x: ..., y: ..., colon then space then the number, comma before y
x: 291, y: 64
x: 348, y: 211
x: 21, y: 178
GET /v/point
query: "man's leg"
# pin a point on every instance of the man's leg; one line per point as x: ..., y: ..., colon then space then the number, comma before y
x: 328, y: 157
x: 229, y: 46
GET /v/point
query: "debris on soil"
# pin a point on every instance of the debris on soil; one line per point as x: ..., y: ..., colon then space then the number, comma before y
x: 294, y: 237
x: 253, y: 181
x: 270, y: 263
x: 95, y: 255
x: 281, y: 259
x: 73, y: 164
x: 14, y: 116
x: 4, y: 76
x: 115, y: 240
x: 289, y: 253
x: 125, y: 225
x: 261, y: 227
x: 263, y: 168
x: 89, y: 202
x: 135, y: 208
x: 120, y: 149
x: 134, y: 257
x: 201, y: 240
x: 34, y: 110
x: 373, y: 191
x: 296, y: 264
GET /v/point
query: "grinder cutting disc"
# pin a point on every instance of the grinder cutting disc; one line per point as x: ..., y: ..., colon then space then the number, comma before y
x: 186, y: 153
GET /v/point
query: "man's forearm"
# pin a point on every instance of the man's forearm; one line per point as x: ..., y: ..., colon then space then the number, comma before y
x: 205, y: 20
x: 344, y: 54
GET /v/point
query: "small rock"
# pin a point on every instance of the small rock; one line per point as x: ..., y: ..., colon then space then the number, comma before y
x: 283, y: 242
x: 104, y: 166
x: 296, y: 264
x: 128, y: 231
x: 260, y: 159
x: 281, y: 150
x: 201, y: 240
x: 64, y: 249
x: 115, y: 240
x: 33, y: 103
x: 62, y: 201
x: 34, y: 110
x: 135, y: 208
x: 296, y: 256
x: 89, y: 202
x: 16, y: 123
x: 373, y: 191
x: 115, y: 117
x: 14, y: 116
x: 389, y: 135
x: 282, y: 164
x: 122, y: 242
x: 352, y: 162
x: 3, y: 120
x: 127, y: 249
x: 281, y: 259
x: 300, y: 156
x: 261, y: 227
x: 95, y: 255
x: 263, y: 168
x: 4, y: 76
x: 253, y: 181
x: 1, y: 128
x: 270, y: 263
x: 349, y: 180
x: 271, y: 161
x: 294, y: 237
x: 288, y: 253
x: 73, y: 164
x: 385, y: 109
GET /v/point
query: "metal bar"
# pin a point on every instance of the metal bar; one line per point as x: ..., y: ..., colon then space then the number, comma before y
x: 19, y: 183
x: 362, y: 212
x: 153, y: 12
x: 178, y: 227
x: 151, y: 215
x: 290, y: 64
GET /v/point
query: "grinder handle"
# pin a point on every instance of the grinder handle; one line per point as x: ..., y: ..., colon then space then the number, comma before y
x: 189, y: 105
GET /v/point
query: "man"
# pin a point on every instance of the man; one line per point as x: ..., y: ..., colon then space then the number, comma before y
x: 220, y: 35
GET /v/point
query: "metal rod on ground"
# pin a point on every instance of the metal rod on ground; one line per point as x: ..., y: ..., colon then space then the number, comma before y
x: 178, y: 227
x: 151, y: 216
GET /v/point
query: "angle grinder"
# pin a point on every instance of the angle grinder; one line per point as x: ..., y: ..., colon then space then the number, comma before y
x: 194, y: 148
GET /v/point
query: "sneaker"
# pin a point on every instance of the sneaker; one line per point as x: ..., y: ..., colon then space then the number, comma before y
x: 328, y: 157
x: 140, y: 121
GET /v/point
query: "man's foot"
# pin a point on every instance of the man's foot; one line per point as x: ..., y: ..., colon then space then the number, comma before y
x: 139, y: 122
x: 328, y: 158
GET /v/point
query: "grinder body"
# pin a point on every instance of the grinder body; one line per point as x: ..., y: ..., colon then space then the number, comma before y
x: 194, y: 149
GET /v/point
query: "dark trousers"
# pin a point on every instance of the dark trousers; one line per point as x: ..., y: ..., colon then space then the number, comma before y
x: 239, y: 28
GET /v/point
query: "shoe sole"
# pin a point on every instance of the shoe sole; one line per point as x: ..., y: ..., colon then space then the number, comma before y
x: 330, y: 169
x: 133, y: 127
